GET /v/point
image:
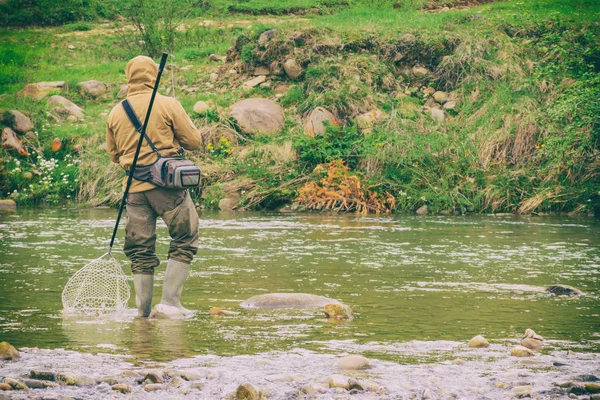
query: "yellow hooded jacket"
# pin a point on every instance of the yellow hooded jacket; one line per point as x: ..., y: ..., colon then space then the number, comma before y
x: 169, y: 126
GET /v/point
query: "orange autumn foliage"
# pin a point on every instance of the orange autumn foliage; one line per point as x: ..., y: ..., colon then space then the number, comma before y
x: 343, y: 192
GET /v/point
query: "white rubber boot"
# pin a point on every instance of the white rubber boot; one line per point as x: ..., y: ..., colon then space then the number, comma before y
x: 175, y: 276
x: 143, y: 284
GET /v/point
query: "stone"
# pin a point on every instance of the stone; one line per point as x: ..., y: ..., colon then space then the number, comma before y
x: 287, y: 300
x: 34, y: 383
x: 57, y: 145
x: 265, y: 37
x: 450, y: 105
x: 592, y: 388
x: 67, y: 105
x: 262, y: 70
x: 72, y: 119
x: 230, y: 201
x: 247, y: 391
x: 5, y: 386
x: 257, y: 115
x: 189, y: 375
x: 478, y: 342
x: 71, y: 47
x: 20, y: 122
x: 292, y: 69
x: 521, y: 351
x: 437, y: 114
x: 266, y: 85
x: 419, y: 72
x: 422, y: 210
x: 10, y: 141
x: 7, y: 351
x: 176, y: 382
x: 38, y: 91
x: 521, y: 392
x: 255, y: 81
x: 309, y: 390
x: 213, y: 77
x: 163, y: 311
x: 338, y: 381
x: 532, y: 340
x: 368, y: 119
x: 563, y: 290
x: 201, y: 107
x: 217, y: 58
x: 121, y: 387
x: 43, y: 375
x: 153, y: 387
x: 281, y: 89
x: 123, y: 91
x: 353, y: 384
x: 354, y: 362
x: 337, y: 311
x: 440, y: 97
x: 315, y: 123
x: 93, y: 88
x: 428, y: 91
x: 154, y: 377
x: 15, y: 384
x: 233, y: 71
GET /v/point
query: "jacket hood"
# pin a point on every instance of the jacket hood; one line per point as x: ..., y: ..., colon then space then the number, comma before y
x: 141, y: 74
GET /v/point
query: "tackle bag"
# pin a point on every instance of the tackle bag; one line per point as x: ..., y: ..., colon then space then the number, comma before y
x: 165, y: 172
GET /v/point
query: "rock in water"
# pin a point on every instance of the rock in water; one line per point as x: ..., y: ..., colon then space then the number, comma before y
x: 478, y: 342
x: 163, y: 311
x: 422, y: 210
x: 521, y: 351
x: 7, y: 351
x: 315, y: 122
x: 7, y: 205
x: 338, y: 381
x: 20, y: 122
x: 5, y: 386
x: 67, y: 105
x: 532, y: 340
x: 93, y: 88
x: 246, y: 391
x: 258, y: 115
x: 15, y: 384
x: 287, y: 300
x: 337, y: 311
x: 354, y: 362
x: 122, y: 387
x: 563, y: 290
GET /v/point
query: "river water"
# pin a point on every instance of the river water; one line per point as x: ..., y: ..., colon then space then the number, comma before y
x: 413, y: 282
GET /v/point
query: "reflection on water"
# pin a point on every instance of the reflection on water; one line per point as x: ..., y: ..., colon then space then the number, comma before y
x: 406, y: 278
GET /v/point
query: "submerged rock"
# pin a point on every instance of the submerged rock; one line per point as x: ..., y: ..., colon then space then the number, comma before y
x: 43, y: 375
x: 563, y: 290
x: 7, y: 205
x: 7, y: 351
x: 521, y: 351
x: 247, y: 391
x: 354, y: 362
x: 287, y: 300
x: 15, y: 384
x: 478, y: 342
x: 532, y: 340
x: 153, y: 387
x: 337, y: 311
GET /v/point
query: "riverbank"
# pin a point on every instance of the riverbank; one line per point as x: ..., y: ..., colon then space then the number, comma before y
x: 459, y: 372
x: 475, y: 109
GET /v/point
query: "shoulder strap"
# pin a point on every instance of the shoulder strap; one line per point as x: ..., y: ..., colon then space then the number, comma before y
x: 135, y: 121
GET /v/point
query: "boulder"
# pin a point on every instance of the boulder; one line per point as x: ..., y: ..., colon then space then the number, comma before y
x: 315, y: 122
x: 230, y: 201
x: 440, y: 97
x: 256, y: 115
x: 292, y: 69
x: 354, y: 362
x: 67, y: 105
x: 337, y: 311
x: 255, y: 81
x: 428, y: 91
x: 217, y: 58
x: 10, y: 141
x: 93, y: 88
x: 422, y: 210
x: 353, y: 384
x: 368, y: 119
x: 35, y: 384
x: 201, y: 107
x: 419, y: 72
x: 532, y: 340
x: 20, y: 122
x: 163, y: 311
x: 521, y: 351
x: 7, y: 351
x: 563, y: 290
x: 247, y: 391
x: 478, y: 342
x: 38, y: 91
x: 265, y: 37
x: 450, y: 105
x: 15, y: 384
x: 123, y: 91
x: 154, y: 377
x: 287, y: 300
x: 437, y: 114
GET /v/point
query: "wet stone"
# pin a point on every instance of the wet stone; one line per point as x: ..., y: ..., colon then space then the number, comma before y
x: 5, y: 386
x: 153, y: 387
x: 8, y: 352
x: 338, y: 381
x: 478, y: 342
x: 154, y: 377
x: 122, y: 387
x: 337, y: 311
x: 43, y: 375
x: 247, y: 391
x: 354, y: 362
x: 592, y: 388
x: 563, y: 290
x: 15, y: 384
x: 34, y: 383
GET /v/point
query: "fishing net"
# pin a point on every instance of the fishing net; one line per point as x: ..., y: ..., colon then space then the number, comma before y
x: 100, y: 286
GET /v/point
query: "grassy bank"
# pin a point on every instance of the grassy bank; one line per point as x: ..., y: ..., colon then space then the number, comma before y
x: 517, y: 131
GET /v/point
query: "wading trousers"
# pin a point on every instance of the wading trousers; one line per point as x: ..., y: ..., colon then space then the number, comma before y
x: 177, y: 210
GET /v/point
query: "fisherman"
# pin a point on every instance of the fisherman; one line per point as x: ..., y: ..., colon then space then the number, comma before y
x: 170, y: 129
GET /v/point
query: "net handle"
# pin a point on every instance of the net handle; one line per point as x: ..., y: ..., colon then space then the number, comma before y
x: 161, y: 67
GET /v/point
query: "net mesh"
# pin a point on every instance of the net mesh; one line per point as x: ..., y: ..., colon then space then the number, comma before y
x: 100, y: 286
